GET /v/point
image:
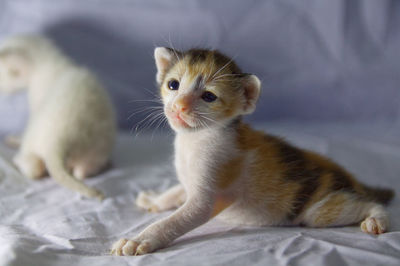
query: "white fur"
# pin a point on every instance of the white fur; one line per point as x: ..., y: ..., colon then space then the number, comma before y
x: 71, y: 124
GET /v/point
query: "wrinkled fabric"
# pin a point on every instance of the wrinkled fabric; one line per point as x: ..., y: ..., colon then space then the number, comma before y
x: 43, y: 224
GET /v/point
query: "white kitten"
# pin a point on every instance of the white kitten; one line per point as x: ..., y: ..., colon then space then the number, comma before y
x: 71, y: 125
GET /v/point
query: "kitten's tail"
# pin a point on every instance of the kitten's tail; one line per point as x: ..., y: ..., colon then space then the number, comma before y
x: 56, y: 167
x: 380, y: 195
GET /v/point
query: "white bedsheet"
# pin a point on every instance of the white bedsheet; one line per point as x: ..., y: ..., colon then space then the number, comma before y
x: 43, y: 224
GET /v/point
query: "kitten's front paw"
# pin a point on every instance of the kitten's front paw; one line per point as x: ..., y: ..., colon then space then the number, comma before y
x: 30, y: 165
x: 146, y: 200
x: 125, y: 247
x: 97, y: 194
x: 372, y: 225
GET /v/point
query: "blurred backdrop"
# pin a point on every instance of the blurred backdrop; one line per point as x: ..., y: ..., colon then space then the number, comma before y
x: 319, y: 60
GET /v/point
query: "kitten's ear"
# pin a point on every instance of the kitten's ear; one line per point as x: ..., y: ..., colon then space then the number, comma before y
x: 15, y: 66
x: 251, y: 86
x: 15, y: 59
x: 164, y: 59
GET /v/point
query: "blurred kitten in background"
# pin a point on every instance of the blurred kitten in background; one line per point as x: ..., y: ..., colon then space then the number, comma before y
x: 229, y: 170
x: 71, y: 127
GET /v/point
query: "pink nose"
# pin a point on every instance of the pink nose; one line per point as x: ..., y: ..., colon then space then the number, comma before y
x: 180, y: 107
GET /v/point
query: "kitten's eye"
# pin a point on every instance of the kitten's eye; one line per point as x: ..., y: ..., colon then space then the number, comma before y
x: 173, y: 84
x: 208, y: 96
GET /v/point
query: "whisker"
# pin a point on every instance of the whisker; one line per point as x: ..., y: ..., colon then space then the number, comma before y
x: 152, y: 93
x: 209, y: 78
x: 226, y: 75
x: 212, y: 120
x: 205, y: 124
x: 173, y: 48
x: 144, y: 119
x: 161, y: 120
x: 170, y: 132
x: 150, y: 122
x: 156, y: 117
x: 145, y: 109
x: 146, y: 100
x: 222, y: 68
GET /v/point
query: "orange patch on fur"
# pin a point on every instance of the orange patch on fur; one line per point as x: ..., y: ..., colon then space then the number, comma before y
x: 266, y: 185
x: 330, y: 211
x: 229, y: 172
x: 221, y: 204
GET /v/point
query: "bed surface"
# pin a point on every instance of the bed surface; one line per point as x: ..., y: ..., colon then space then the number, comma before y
x: 43, y: 224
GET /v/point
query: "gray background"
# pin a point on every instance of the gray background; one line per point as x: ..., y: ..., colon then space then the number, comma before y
x: 319, y: 60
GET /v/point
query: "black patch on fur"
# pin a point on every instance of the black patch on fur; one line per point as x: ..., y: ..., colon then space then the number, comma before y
x: 298, y: 169
x: 198, y: 82
x: 341, y: 181
x: 235, y: 123
x: 309, y: 181
x: 221, y: 60
x: 198, y: 56
x: 380, y: 195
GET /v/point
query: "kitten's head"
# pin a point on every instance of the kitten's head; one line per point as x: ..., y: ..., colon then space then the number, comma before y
x: 15, y: 68
x: 203, y: 88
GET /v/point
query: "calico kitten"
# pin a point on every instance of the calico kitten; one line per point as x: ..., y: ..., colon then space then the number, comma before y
x: 71, y: 126
x: 244, y: 176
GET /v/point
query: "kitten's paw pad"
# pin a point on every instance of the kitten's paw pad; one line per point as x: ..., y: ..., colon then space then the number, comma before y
x: 373, y: 225
x: 145, y: 200
x: 124, y: 247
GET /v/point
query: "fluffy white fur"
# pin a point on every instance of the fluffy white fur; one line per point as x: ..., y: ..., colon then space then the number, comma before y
x: 71, y: 127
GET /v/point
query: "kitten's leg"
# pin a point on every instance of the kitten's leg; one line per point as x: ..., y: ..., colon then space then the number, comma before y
x: 88, y: 168
x: 172, y: 198
x: 341, y: 208
x: 30, y: 165
x: 193, y: 213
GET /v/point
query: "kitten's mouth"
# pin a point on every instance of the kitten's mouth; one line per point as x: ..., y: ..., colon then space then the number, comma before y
x: 179, y: 120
